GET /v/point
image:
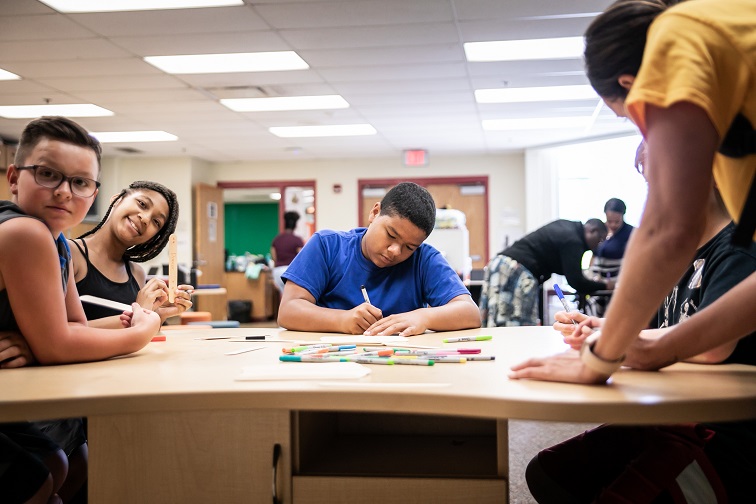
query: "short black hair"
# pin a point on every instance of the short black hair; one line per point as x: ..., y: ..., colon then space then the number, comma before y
x: 597, y: 224
x: 615, y: 205
x: 152, y: 247
x: 290, y: 219
x: 57, y: 128
x: 411, y: 201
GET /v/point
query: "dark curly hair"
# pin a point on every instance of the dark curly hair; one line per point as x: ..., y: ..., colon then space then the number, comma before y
x: 411, y: 201
x: 152, y: 247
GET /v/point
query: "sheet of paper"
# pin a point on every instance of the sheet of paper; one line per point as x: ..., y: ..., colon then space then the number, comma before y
x: 305, y: 371
x: 86, y: 298
x: 364, y: 340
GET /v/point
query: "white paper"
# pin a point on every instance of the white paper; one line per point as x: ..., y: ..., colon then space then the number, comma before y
x: 364, y: 340
x: 305, y: 371
x: 86, y: 298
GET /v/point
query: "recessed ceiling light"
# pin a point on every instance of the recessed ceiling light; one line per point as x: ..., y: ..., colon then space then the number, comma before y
x: 534, y: 94
x: 533, y: 49
x: 68, y: 110
x: 285, y: 103
x: 531, y: 123
x: 323, y: 131
x: 6, y: 75
x: 228, y: 63
x: 133, y: 136
x: 133, y: 5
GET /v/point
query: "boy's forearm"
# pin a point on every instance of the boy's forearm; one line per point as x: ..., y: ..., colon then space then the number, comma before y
x: 301, y: 315
x: 459, y: 313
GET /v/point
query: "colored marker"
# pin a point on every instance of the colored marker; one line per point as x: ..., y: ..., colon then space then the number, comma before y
x: 414, y: 362
x: 309, y: 358
x: 449, y: 358
x: 478, y: 357
x: 467, y: 338
x: 368, y: 360
x: 566, y: 305
x: 364, y: 294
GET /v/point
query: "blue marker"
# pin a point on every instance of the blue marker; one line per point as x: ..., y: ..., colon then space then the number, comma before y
x: 566, y: 305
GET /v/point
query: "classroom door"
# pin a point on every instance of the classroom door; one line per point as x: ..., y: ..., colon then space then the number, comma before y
x: 209, y: 238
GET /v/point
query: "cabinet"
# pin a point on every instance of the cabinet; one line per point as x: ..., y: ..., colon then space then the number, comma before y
x: 259, y: 291
x: 190, y: 456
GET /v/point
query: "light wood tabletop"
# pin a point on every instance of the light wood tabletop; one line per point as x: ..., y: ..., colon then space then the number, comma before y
x: 187, y: 373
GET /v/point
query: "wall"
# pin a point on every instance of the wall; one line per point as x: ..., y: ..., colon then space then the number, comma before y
x: 339, y: 211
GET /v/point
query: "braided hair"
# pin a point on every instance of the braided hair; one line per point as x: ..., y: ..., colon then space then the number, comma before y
x: 152, y: 247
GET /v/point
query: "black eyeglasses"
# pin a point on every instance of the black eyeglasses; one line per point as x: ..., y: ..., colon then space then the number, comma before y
x: 52, y: 178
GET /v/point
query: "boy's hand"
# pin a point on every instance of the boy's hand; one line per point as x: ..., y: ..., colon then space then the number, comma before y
x: 360, y: 318
x: 14, y: 350
x: 145, y: 319
x: 403, y: 324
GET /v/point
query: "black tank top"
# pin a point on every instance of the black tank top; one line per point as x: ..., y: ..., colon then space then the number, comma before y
x: 8, y: 211
x: 97, y: 284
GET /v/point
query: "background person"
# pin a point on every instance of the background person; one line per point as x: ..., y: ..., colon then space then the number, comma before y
x: 511, y: 288
x: 285, y: 248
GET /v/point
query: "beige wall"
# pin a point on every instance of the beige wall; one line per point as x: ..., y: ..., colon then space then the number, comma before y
x: 334, y: 211
x: 339, y: 211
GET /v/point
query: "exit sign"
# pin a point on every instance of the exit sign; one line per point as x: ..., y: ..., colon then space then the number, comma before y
x: 415, y: 157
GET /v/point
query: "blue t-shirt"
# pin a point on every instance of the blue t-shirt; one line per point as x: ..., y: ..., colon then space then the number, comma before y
x: 332, y: 268
x: 614, y: 247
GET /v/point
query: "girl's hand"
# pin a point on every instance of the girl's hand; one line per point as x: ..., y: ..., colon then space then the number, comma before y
x: 581, y: 332
x: 181, y: 303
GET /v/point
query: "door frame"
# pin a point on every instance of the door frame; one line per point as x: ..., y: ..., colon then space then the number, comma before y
x: 281, y: 185
x: 425, y: 181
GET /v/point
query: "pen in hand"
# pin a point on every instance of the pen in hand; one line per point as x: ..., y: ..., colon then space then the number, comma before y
x: 566, y: 305
x: 365, y: 294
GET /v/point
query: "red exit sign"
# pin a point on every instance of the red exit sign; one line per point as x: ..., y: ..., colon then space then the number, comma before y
x: 415, y: 157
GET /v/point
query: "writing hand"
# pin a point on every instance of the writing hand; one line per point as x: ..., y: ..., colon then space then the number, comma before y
x: 563, y: 321
x: 14, y: 350
x: 182, y: 302
x: 359, y: 318
x: 403, y: 324
x: 580, y: 333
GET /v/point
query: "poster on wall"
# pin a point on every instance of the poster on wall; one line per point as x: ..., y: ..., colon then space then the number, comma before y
x: 212, y: 230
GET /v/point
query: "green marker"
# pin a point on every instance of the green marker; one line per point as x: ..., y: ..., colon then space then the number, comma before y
x: 467, y: 338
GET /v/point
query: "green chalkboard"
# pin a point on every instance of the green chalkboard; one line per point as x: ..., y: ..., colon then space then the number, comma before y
x: 250, y: 227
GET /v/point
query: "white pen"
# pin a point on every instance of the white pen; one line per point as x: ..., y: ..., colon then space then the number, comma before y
x: 364, y: 294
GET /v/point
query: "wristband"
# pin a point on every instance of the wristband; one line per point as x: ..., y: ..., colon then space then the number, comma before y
x: 596, y: 363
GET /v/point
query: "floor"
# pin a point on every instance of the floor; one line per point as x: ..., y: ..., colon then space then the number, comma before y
x: 526, y: 438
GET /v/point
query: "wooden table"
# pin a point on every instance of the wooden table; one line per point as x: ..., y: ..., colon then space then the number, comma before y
x: 170, y: 423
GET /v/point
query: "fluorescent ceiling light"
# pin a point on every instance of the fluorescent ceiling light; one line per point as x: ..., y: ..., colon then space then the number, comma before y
x: 531, y: 123
x: 133, y: 136
x: 6, y: 75
x: 68, y: 6
x: 68, y: 110
x: 535, y: 94
x: 228, y: 63
x: 323, y: 131
x: 285, y: 103
x: 518, y: 50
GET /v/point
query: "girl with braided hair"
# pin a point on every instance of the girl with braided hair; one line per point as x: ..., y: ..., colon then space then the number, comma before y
x: 135, y: 228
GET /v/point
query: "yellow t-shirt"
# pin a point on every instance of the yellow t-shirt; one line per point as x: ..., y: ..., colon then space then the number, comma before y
x: 704, y: 52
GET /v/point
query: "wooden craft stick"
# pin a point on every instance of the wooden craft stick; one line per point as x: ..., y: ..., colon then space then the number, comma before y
x: 172, y: 269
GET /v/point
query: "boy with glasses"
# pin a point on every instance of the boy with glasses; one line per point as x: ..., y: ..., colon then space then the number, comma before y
x: 53, y: 183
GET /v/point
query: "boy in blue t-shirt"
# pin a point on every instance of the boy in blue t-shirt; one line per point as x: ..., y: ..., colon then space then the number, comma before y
x: 408, y: 285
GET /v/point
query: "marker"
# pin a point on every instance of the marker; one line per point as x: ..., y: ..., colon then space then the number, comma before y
x: 566, y: 305
x: 414, y: 362
x: 477, y: 357
x: 449, y: 358
x: 255, y: 338
x: 364, y: 294
x: 309, y: 358
x: 467, y: 338
x: 368, y: 360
